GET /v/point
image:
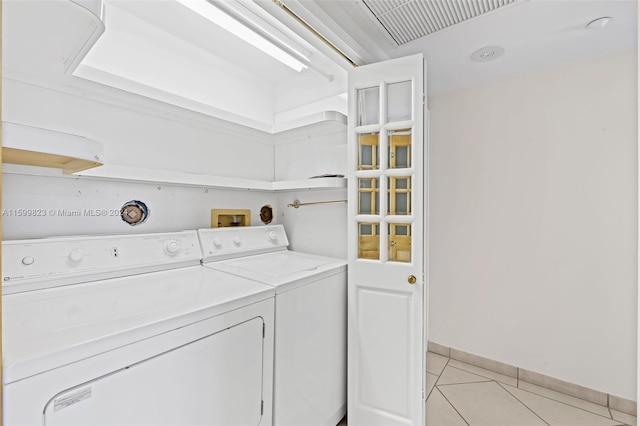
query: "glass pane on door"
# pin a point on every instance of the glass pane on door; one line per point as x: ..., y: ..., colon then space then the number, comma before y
x: 369, y: 241
x: 368, y: 154
x: 369, y: 196
x: 399, y: 200
x: 368, y: 106
x: 399, y: 101
x: 399, y: 149
x: 399, y: 242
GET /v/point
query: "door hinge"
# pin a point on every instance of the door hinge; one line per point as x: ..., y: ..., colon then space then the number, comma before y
x: 261, y: 407
x: 264, y: 333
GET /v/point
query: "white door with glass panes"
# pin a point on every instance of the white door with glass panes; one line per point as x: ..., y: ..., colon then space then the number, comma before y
x: 387, y: 234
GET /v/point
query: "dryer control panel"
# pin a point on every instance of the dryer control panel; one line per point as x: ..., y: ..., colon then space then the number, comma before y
x: 227, y: 243
x: 51, y: 262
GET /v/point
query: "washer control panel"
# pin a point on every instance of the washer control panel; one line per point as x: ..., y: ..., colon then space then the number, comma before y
x: 225, y: 243
x: 32, y: 264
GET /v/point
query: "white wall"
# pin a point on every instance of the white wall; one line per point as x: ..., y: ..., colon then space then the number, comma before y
x: 533, y: 222
x: 317, y: 229
x: 171, y: 208
x: 151, y: 136
x: 299, y: 154
x: 140, y: 135
x: 312, y: 150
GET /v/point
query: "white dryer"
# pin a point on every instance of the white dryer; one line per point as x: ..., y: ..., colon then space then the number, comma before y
x: 132, y: 330
x: 310, y: 314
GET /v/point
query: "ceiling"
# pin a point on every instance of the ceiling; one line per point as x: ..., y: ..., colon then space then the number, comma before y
x: 534, y: 34
x: 160, y: 50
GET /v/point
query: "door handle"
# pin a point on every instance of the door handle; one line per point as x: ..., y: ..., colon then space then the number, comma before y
x: 411, y: 279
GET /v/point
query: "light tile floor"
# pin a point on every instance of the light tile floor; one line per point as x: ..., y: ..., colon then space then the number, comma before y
x: 461, y: 394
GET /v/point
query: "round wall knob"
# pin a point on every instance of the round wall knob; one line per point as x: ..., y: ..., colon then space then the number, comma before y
x: 171, y: 247
x: 411, y: 279
x: 76, y: 255
x: 217, y: 242
x: 236, y: 240
x: 28, y: 260
x: 272, y: 236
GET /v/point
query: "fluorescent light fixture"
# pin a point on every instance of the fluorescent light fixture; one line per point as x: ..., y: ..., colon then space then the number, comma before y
x: 219, y: 17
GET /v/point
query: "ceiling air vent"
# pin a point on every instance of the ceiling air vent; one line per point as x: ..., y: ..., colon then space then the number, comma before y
x: 407, y: 20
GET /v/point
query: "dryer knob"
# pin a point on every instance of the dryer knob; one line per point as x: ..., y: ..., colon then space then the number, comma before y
x: 217, y: 242
x: 171, y: 247
x: 28, y: 260
x: 76, y: 255
x: 272, y: 236
x: 236, y: 240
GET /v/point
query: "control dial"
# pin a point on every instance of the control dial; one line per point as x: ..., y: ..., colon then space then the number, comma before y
x: 171, y: 247
x: 217, y: 242
x: 272, y: 236
x: 76, y: 256
x: 237, y: 240
x: 28, y: 260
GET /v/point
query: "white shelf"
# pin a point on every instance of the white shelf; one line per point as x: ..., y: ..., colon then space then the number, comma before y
x: 136, y: 174
x: 316, y: 183
x: 133, y: 174
x: 32, y: 146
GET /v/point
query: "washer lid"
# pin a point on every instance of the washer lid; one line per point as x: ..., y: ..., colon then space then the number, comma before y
x: 283, y: 269
x: 49, y: 328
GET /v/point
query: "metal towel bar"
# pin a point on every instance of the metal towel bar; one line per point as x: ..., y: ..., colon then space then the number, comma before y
x: 297, y: 203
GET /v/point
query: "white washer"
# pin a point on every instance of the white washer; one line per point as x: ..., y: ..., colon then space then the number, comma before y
x: 311, y: 318
x: 132, y: 330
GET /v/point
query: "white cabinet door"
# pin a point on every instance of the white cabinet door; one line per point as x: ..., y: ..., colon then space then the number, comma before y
x: 387, y: 228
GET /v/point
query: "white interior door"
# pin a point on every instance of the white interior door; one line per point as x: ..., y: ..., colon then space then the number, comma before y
x: 387, y: 230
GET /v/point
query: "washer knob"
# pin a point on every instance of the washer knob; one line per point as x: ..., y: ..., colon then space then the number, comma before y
x: 76, y: 255
x: 236, y: 240
x: 272, y: 236
x: 28, y: 260
x: 171, y: 247
x: 217, y: 242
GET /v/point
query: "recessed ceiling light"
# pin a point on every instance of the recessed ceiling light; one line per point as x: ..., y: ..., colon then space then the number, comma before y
x: 596, y: 24
x: 487, y: 53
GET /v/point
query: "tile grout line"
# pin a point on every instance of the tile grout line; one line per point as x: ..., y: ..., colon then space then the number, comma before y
x: 466, y: 383
x: 442, y: 371
x: 518, y: 378
x: 482, y: 375
x: 609, y: 407
x: 436, y: 382
x: 563, y: 403
x: 518, y: 381
x: 452, y: 406
x: 525, y: 405
x: 469, y: 372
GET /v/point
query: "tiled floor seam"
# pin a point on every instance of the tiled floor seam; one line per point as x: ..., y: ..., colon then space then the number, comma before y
x: 452, y: 406
x: 518, y: 379
x: 467, y: 383
x: 479, y: 373
x: 525, y: 405
x: 610, y: 413
x: 561, y: 402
